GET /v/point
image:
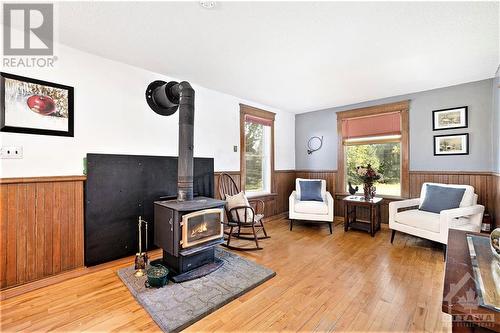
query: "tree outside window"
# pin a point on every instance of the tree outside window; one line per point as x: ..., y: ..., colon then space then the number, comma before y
x: 257, y: 147
x: 384, y: 158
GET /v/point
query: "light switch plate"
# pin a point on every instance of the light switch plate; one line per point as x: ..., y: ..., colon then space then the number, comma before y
x: 11, y: 152
x: 235, y: 149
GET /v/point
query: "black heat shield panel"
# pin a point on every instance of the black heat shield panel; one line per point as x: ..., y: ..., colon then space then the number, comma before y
x: 119, y: 188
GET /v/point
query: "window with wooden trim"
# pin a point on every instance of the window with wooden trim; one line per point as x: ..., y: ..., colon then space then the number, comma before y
x: 257, y: 150
x: 378, y: 136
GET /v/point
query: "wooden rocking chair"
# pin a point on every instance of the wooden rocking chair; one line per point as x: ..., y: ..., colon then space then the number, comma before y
x: 236, y: 222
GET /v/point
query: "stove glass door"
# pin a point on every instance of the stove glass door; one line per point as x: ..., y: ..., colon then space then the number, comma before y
x: 202, y: 226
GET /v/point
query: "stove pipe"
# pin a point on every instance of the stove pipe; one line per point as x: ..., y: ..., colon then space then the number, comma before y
x: 164, y: 98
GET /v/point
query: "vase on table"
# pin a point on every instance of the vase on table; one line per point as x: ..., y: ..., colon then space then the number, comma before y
x: 368, y: 176
x: 368, y: 191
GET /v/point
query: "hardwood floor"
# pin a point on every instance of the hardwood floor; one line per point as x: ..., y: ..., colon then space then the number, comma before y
x: 341, y: 282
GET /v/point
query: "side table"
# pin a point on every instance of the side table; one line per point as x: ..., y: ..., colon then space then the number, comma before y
x: 350, y: 220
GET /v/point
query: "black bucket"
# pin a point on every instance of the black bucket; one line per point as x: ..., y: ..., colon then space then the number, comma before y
x: 157, y: 276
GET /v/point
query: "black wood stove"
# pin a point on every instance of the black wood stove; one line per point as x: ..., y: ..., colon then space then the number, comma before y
x: 187, y: 229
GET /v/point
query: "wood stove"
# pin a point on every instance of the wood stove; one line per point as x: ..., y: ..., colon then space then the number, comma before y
x: 187, y: 229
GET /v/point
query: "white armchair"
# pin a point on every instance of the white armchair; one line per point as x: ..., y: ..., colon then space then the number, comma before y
x: 434, y: 226
x: 312, y: 211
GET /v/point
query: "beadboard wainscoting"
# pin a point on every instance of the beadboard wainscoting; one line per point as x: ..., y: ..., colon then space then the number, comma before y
x: 234, y: 174
x: 329, y: 175
x: 41, y: 220
x: 496, y: 194
x: 41, y: 225
x: 483, y: 183
x: 274, y: 202
x: 486, y: 185
x: 284, y: 184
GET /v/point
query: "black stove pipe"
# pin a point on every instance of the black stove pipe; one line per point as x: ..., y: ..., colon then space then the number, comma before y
x: 164, y: 98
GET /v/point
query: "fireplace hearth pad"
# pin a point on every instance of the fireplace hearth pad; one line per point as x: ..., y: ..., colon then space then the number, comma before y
x: 178, y: 305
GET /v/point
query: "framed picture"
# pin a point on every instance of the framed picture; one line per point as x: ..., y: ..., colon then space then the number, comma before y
x: 35, y: 107
x: 449, y: 118
x: 453, y: 144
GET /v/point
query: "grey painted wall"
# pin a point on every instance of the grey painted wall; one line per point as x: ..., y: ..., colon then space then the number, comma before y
x: 478, y: 96
x: 496, y: 123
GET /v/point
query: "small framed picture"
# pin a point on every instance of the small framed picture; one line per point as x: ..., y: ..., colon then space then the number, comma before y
x: 449, y: 118
x: 453, y: 144
x: 35, y: 107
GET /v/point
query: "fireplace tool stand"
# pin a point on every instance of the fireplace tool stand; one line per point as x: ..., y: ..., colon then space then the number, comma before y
x: 141, y: 258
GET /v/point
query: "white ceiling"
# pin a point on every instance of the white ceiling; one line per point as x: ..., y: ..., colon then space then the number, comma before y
x: 296, y: 56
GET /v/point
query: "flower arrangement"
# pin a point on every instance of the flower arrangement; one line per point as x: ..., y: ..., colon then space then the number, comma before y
x: 368, y: 176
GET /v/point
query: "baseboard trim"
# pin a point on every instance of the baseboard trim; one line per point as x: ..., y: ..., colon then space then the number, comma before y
x: 30, y: 286
x: 68, y: 275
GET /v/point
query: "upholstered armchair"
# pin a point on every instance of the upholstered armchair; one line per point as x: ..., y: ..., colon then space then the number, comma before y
x: 312, y: 211
x: 405, y: 216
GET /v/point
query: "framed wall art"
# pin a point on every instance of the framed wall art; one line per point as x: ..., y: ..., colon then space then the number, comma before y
x: 449, y: 118
x: 35, y: 107
x: 452, y: 144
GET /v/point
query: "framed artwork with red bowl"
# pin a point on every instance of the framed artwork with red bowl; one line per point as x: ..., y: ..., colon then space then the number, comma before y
x: 35, y: 107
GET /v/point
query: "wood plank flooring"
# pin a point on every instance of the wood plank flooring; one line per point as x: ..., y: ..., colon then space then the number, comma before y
x: 341, y: 282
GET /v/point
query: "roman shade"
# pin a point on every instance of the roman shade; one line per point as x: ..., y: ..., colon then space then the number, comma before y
x: 258, y: 120
x: 369, y: 126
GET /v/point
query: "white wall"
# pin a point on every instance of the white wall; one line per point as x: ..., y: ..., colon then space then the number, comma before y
x: 112, y: 116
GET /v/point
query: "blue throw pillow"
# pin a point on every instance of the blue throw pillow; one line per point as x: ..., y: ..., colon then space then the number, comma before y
x: 310, y: 190
x: 438, y: 198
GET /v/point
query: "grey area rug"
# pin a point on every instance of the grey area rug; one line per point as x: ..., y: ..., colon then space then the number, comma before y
x: 178, y: 305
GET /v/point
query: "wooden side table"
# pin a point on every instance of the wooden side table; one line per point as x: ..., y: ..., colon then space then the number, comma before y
x: 350, y: 220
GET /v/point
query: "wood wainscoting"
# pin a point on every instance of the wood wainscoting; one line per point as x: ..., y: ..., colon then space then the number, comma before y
x: 284, y: 184
x: 496, y: 195
x: 363, y: 213
x: 41, y: 225
x: 41, y: 219
x: 329, y: 175
x: 234, y: 174
x: 486, y: 185
x: 275, y: 203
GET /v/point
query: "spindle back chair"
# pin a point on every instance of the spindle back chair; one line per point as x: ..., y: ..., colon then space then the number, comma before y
x: 251, y: 219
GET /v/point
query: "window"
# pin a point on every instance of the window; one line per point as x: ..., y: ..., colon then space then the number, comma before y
x: 385, y: 157
x: 257, y: 157
x: 257, y: 127
x: 378, y: 136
